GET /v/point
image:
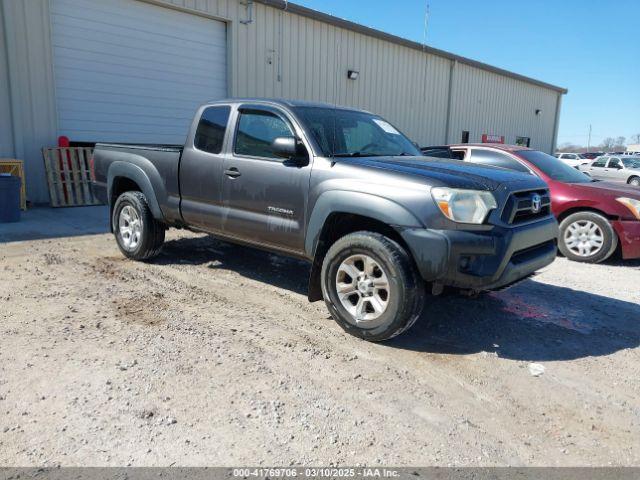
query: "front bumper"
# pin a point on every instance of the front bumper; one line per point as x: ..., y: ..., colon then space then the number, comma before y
x: 483, y: 260
x: 629, y: 236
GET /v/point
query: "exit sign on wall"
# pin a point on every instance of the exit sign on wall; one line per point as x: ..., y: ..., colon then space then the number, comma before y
x: 492, y: 138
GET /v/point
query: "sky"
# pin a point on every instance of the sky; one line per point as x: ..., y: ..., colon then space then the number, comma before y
x: 590, y: 47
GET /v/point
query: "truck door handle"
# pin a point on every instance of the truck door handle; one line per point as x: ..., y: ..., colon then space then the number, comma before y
x: 232, y: 172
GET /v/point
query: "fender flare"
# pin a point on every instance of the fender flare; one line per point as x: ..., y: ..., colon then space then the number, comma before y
x: 356, y: 203
x: 136, y: 174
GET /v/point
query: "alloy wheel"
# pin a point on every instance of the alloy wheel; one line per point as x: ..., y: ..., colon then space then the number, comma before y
x: 363, y: 288
x: 130, y: 226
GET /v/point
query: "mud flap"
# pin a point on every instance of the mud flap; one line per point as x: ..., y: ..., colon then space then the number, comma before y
x: 314, y: 293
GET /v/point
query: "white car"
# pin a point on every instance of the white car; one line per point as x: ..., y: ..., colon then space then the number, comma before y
x: 573, y: 159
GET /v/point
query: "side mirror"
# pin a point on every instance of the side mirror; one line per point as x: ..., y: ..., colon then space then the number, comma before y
x: 285, y: 147
x: 290, y: 148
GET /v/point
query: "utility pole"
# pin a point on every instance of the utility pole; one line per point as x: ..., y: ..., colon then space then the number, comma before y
x: 589, y: 141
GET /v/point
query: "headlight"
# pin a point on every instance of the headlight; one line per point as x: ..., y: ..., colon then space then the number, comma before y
x: 464, y: 206
x: 631, y: 204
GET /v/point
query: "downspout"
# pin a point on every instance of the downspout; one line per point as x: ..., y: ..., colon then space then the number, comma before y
x: 447, y: 128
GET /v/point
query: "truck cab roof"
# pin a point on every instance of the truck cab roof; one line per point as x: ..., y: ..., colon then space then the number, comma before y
x: 282, y: 102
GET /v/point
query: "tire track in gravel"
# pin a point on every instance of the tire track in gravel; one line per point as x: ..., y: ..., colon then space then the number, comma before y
x: 222, y: 340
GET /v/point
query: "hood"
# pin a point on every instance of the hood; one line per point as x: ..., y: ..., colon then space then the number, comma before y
x: 610, y: 189
x: 452, y: 173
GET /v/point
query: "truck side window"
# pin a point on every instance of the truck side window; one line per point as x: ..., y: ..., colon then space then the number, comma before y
x: 615, y: 163
x: 257, y: 130
x: 600, y: 163
x: 211, y: 129
x: 496, y: 159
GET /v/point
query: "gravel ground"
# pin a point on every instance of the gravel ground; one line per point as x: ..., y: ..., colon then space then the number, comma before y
x: 211, y: 355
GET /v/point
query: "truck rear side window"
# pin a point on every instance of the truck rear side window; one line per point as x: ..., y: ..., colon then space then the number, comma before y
x: 211, y: 129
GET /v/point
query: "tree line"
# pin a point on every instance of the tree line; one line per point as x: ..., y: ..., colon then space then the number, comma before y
x: 608, y: 144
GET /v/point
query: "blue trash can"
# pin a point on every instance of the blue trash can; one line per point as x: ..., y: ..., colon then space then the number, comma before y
x: 9, y: 198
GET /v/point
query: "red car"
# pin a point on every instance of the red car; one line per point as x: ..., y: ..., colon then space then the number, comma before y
x: 595, y: 217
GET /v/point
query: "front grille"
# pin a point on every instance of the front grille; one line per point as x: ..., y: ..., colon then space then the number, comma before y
x: 519, y: 207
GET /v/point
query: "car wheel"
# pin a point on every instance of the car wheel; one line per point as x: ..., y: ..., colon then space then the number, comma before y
x: 138, y: 234
x: 635, y: 181
x: 371, y: 286
x: 587, y: 237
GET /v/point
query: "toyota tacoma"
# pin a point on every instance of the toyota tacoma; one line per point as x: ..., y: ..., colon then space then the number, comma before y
x: 342, y: 188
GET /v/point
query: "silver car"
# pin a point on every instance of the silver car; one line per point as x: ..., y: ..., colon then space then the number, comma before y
x: 624, y: 169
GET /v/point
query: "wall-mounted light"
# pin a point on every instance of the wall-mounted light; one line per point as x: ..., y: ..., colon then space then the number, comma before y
x: 538, y: 111
x: 353, y: 74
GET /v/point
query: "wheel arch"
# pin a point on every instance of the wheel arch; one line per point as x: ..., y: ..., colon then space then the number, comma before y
x: 632, y: 176
x: 337, y: 214
x: 570, y: 211
x: 124, y: 177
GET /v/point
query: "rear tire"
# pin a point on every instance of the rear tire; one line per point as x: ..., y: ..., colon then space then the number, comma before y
x: 634, y: 181
x: 371, y: 286
x: 138, y: 234
x: 587, y: 237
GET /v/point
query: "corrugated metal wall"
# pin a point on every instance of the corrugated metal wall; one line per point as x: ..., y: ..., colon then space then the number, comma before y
x: 28, y: 50
x: 281, y: 54
x: 6, y: 130
x: 485, y: 102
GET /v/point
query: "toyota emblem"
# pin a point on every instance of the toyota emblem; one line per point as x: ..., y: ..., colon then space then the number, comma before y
x: 536, y: 203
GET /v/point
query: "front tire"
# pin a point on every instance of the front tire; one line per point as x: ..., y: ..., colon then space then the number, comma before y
x: 371, y: 286
x: 139, y: 236
x: 587, y: 237
x: 634, y: 181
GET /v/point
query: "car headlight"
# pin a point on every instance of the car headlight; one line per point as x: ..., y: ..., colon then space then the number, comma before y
x: 632, y: 204
x: 464, y: 206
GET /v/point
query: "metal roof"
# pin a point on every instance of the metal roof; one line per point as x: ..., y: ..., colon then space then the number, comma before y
x: 372, y: 32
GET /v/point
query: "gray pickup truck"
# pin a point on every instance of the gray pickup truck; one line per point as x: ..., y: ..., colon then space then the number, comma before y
x: 381, y: 225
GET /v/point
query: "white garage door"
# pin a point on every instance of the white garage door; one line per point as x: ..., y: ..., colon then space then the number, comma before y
x: 129, y: 71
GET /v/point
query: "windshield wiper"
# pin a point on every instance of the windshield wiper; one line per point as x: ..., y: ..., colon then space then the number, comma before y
x: 343, y: 155
x: 357, y: 154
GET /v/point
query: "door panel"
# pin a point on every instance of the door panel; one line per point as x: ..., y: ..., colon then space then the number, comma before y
x: 615, y: 174
x: 596, y: 170
x: 201, y: 170
x: 265, y: 197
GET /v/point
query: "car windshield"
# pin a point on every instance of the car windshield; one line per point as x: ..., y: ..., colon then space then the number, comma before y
x: 349, y: 133
x: 554, y: 168
x: 631, y: 162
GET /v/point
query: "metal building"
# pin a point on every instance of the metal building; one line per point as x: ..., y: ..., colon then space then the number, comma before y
x: 135, y: 70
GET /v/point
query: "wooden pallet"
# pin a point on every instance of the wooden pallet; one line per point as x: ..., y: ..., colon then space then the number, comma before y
x: 16, y: 168
x: 68, y: 175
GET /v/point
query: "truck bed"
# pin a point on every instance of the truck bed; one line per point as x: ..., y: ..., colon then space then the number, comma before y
x: 141, y: 146
x: 160, y: 164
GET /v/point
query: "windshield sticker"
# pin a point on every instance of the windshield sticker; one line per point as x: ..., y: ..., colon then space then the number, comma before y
x: 387, y: 127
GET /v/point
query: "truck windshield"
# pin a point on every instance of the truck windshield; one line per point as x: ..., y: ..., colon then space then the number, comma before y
x: 554, y: 168
x: 349, y: 133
